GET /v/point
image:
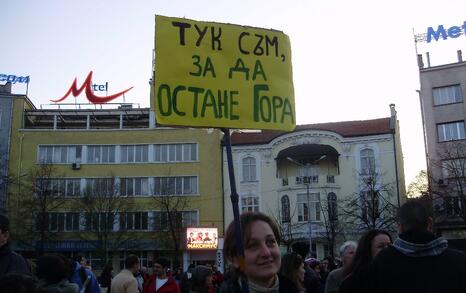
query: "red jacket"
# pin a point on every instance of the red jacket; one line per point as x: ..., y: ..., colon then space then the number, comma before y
x: 169, y: 287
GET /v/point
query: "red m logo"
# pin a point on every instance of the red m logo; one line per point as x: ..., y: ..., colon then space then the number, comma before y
x: 89, y: 92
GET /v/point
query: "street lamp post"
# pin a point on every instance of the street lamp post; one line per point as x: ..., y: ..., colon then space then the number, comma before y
x: 309, y: 221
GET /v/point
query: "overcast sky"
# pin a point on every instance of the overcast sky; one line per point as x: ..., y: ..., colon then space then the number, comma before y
x: 351, y: 59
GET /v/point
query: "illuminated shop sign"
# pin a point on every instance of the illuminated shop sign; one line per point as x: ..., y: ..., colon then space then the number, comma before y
x: 444, y: 33
x: 89, y: 90
x: 201, y: 238
x: 14, y: 78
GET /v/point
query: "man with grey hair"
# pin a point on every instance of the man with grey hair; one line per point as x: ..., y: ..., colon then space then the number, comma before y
x: 334, y: 279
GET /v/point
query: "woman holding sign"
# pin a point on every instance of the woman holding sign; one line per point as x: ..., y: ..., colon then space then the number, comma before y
x: 262, y: 258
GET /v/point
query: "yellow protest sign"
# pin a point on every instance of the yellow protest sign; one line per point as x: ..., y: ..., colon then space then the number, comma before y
x: 221, y: 75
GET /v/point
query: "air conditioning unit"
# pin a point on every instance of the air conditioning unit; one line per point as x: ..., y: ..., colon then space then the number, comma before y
x: 76, y: 166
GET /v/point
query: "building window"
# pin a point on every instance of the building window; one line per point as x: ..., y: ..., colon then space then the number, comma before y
x: 249, y: 169
x: 332, y: 206
x: 249, y: 202
x: 308, y: 208
x: 72, y: 222
x: 134, y: 153
x: 451, y: 131
x: 58, y: 221
x: 134, y: 221
x: 180, y: 219
x: 447, y: 95
x: 134, y: 186
x: 367, y: 161
x: 454, y: 168
x: 59, y: 154
x: 180, y: 185
x: 285, y: 209
x: 58, y: 187
x: 99, y: 221
x: 98, y: 154
x: 370, y: 210
x: 180, y: 152
x: 100, y: 186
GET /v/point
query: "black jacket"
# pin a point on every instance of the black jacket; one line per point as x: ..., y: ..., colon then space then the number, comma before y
x: 418, y: 262
x: 12, y: 263
x: 232, y: 286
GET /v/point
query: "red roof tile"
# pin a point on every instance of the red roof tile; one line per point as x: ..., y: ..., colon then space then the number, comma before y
x: 344, y: 128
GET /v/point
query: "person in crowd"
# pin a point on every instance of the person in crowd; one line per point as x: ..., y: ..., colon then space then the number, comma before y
x: 262, y: 258
x: 125, y: 282
x: 326, y: 266
x: 185, y: 282
x: 55, y: 270
x: 178, y: 274
x: 315, y: 265
x: 371, y: 243
x: 217, y: 278
x: 84, y: 277
x: 105, y: 279
x: 334, y: 279
x: 139, y: 275
x: 311, y: 280
x: 418, y: 260
x: 201, y: 280
x: 160, y: 282
x: 292, y: 268
x: 20, y: 283
x: 10, y: 261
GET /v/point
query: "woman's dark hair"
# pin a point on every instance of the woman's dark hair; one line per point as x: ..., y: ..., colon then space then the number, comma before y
x: 363, y: 256
x: 199, y: 278
x: 247, y: 218
x: 107, y: 271
x: 53, y: 268
x: 291, y: 262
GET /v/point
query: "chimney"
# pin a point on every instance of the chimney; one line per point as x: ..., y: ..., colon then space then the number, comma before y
x: 6, y: 88
x: 392, y: 117
x: 420, y: 62
x: 460, y: 56
x: 428, y: 59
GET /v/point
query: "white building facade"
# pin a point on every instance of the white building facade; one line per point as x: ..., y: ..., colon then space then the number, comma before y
x: 296, y: 177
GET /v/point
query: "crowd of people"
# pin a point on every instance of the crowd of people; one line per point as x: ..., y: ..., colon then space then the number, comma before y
x: 417, y: 261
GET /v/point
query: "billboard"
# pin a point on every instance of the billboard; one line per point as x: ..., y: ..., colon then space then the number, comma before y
x: 201, y: 238
x: 210, y: 74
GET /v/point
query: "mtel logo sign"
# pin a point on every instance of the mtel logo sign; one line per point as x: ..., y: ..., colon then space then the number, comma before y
x: 452, y: 32
x: 89, y: 92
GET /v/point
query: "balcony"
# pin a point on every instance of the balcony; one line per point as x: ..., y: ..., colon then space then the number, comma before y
x: 450, y: 212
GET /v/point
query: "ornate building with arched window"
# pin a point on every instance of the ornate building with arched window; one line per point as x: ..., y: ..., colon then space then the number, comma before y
x: 307, y: 179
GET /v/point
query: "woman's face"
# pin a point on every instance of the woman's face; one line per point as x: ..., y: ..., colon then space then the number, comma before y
x: 262, y: 254
x: 378, y: 243
x: 301, y: 273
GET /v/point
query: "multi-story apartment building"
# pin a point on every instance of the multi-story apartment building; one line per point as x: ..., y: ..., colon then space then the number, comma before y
x: 307, y: 178
x: 110, y: 178
x: 444, y: 112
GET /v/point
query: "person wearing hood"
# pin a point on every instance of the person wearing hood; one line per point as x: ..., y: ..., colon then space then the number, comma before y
x: 418, y: 261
